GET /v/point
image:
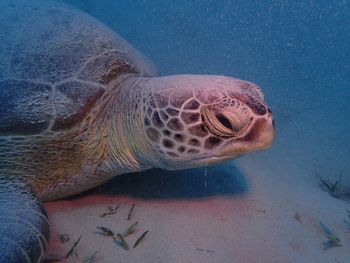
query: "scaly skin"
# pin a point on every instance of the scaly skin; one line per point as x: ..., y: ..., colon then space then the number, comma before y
x: 24, y: 231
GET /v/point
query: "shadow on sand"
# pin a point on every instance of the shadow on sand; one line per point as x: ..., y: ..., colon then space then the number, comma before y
x: 219, y: 180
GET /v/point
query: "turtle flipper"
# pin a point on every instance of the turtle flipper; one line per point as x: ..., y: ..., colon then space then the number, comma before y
x: 24, y: 228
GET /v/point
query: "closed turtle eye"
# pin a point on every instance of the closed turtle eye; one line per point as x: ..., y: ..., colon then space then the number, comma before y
x: 224, y: 121
x: 225, y: 124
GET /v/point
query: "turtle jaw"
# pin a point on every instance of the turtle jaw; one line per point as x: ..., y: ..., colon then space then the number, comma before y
x: 260, y: 137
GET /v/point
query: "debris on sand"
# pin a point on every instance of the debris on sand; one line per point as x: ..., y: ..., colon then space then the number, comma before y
x: 331, y: 187
x: 297, y: 217
x: 131, y: 229
x: 140, y: 239
x: 120, y: 241
x: 111, y: 210
x: 347, y: 222
x: 336, y: 188
x: 71, y: 251
x: 64, y: 238
x: 90, y: 259
x: 119, y: 238
x: 332, y: 239
x: 104, y: 231
x: 131, y: 212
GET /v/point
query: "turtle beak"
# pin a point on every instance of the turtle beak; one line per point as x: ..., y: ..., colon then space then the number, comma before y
x: 260, y: 136
x: 269, y: 112
x: 267, y: 132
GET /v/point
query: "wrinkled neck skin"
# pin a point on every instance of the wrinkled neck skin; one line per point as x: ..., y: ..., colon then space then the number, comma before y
x: 127, y: 147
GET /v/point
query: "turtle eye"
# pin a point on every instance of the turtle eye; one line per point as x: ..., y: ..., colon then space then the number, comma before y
x: 225, y: 124
x: 224, y: 121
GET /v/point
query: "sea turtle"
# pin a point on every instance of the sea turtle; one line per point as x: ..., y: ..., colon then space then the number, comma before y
x: 79, y: 105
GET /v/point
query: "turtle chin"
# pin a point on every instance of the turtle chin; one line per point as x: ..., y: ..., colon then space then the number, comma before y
x: 260, y: 137
x: 218, y: 159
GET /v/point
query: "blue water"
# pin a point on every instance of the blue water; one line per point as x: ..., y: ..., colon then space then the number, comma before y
x: 297, y: 51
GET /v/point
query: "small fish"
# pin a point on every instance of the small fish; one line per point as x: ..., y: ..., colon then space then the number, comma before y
x: 105, y: 231
x: 70, y: 252
x: 131, y: 211
x: 131, y: 229
x: 120, y: 241
x: 140, y: 239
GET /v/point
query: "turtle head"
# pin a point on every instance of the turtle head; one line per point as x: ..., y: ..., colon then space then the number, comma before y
x: 195, y: 120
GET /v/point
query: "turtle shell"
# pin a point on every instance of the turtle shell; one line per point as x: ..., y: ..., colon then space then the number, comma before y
x: 55, y: 62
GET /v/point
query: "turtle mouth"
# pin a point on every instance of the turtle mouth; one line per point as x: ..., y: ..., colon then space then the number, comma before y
x: 260, y: 137
x: 219, y: 159
x: 214, y: 159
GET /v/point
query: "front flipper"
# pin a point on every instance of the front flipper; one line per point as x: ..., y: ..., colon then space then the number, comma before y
x: 24, y: 227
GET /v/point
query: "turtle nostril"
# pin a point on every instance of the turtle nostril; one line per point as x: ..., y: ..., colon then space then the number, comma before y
x: 224, y: 121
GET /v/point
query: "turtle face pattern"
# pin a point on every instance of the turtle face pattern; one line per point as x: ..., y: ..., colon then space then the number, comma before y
x: 207, y: 120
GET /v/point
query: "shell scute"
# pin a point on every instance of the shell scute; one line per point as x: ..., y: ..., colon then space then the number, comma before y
x: 73, y: 100
x: 106, y: 67
x: 46, y: 74
x: 25, y: 107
